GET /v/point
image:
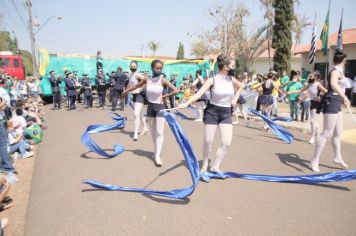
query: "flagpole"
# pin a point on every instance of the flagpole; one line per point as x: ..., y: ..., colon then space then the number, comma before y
x: 327, y: 53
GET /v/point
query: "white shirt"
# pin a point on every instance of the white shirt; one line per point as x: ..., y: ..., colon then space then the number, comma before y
x: 133, y: 81
x: 20, y: 120
x: 222, y: 92
x: 13, y: 135
x: 154, y: 90
x: 354, y: 86
x: 349, y: 83
x: 4, y: 95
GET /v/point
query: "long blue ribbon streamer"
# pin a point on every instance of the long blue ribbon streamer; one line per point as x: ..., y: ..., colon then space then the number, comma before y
x: 278, y: 130
x: 193, y: 167
x: 95, y: 129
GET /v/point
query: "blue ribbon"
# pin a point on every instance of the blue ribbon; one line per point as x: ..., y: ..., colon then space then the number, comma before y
x: 193, y: 167
x: 190, y: 159
x: 180, y: 115
x: 278, y: 130
x: 95, y: 129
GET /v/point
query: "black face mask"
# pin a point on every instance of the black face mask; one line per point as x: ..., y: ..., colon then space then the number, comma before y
x: 156, y: 73
x: 231, y: 72
x: 133, y: 69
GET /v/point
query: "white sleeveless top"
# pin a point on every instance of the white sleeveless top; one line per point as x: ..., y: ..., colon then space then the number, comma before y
x: 342, y: 82
x: 132, y: 82
x: 222, y: 92
x: 154, y: 90
x: 313, y: 90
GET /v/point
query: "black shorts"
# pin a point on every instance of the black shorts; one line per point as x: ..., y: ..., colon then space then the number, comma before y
x: 139, y: 98
x: 331, y: 104
x: 153, y: 109
x: 214, y: 115
x: 315, y: 105
x: 241, y: 100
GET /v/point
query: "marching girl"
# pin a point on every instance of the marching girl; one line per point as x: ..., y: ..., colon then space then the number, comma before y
x: 313, y: 88
x: 154, y: 94
x: 138, y: 98
x: 331, y: 107
x: 224, y: 91
x: 197, y: 84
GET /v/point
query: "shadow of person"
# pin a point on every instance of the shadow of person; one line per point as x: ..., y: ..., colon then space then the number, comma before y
x: 289, y: 159
x: 143, y: 153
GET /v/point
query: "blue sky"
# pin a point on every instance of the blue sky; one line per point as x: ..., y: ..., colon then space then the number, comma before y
x: 120, y: 27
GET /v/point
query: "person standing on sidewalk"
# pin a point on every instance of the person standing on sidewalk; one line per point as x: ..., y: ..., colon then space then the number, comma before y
x: 118, y: 87
x: 56, y: 89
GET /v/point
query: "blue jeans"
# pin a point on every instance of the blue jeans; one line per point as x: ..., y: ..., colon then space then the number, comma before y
x: 294, y: 109
x: 5, y: 160
x: 305, y: 110
x: 20, y: 146
x: 101, y: 98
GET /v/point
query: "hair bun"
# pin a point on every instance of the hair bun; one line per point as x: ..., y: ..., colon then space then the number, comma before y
x: 220, y: 58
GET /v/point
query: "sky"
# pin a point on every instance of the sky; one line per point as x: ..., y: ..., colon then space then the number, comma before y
x: 120, y: 28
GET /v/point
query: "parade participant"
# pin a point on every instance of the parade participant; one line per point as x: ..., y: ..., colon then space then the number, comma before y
x: 331, y: 107
x: 154, y: 94
x: 56, y: 89
x: 240, y: 105
x: 88, y: 95
x: 99, y: 61
x: 224, y: 91
x: 198, y: 83
x: 314, y: 89
x: 71, y: 89
x: 172, y: 99
x: 118, y: 80
x: 138, y: 98
x: 101, y: 87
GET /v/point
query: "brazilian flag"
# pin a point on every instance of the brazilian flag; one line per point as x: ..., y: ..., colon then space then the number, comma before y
x: 35, y: 132
x: 324, y: 37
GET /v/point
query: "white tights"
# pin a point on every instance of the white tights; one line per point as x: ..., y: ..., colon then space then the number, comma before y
x: 139, y: 116
x: 200, y: 106
x: 156, y: 125
x: 241, y: 108
x: 314, y: 124
x: 226, y: 137
x: 332, y: 129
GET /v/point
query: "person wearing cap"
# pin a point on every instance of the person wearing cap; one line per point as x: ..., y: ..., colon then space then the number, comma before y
x: 71, y: 89
x: 118, y: 80
x: 101, y: 87
x: 56, y: 90
x: 88, y: 96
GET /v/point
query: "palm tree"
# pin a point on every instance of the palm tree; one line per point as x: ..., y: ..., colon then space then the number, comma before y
x: 267, y: 5
x: 153, y: 46
x: 299, y: 24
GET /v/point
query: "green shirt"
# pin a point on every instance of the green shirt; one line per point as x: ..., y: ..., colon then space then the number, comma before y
x: 284, y: 80
x: 293, y: 87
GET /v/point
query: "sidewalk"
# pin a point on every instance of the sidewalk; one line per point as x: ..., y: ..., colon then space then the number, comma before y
x: 349, y: 134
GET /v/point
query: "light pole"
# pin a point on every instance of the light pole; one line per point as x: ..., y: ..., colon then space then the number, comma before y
x: 52, y: 17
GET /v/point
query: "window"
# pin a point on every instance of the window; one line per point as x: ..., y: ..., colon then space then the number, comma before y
x: 16, y: 63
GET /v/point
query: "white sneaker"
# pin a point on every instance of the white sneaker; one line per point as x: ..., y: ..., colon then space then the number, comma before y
x: 341, y: 162
x: 158, y: 161
x: 314, y: 166
x: 198, y: 120
x: 144, y: 131
x: 27, y: 155
x: 311, y: 141
x: 135, y: 137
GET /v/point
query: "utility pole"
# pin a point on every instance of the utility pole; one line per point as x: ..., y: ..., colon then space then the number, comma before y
x: 32, y: 37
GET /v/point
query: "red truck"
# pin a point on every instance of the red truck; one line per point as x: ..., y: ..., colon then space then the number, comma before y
x: 12, y: 65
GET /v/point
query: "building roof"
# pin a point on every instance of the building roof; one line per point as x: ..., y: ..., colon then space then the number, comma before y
x: 348, y: 37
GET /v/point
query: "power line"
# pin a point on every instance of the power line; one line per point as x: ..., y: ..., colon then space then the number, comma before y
x: 18, y: 13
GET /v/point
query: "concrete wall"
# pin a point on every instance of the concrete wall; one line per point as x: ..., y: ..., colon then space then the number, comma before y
x: 262, y: 65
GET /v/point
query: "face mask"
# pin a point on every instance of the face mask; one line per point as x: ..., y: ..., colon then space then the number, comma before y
x: 133, y: 69
x: 156, y: 73
x: 231, y: 72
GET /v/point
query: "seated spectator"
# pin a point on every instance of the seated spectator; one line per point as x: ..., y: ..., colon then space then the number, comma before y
x: 16, y: 141
x: 5, y: 201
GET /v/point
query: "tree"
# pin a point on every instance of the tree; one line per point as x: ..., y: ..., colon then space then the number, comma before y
x: 267, y: 5
x: 153, y: 46
x: 282, y: 34
x: 180, y: 53
x: 299, y: 24
x: 199, y: 49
